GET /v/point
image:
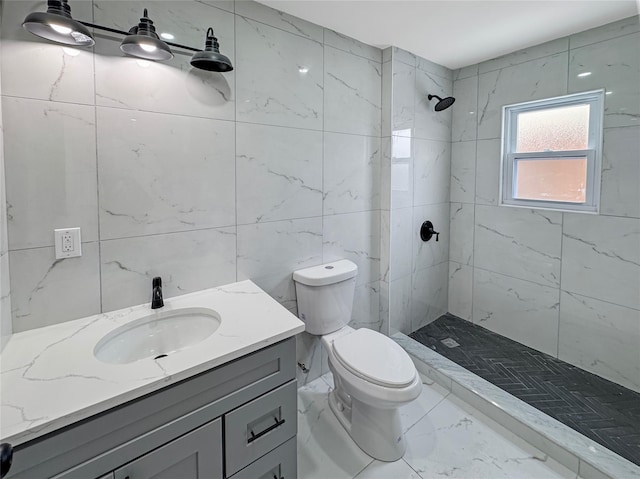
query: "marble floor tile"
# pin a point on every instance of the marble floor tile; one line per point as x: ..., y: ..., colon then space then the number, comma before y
x: 454, y: 440
x: 430, y: 396
x: 388, y: 470
x: 325, y: 449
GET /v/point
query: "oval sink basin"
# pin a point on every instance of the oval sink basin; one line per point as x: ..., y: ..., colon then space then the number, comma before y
x: 157, y: 335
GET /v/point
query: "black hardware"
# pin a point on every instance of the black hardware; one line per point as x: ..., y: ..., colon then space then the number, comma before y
x: 269, y: 429
x: 303, y: 368
x: 6, y: 457
x: 122, y: 32
x: 427, y: 231
x: 156, y: 293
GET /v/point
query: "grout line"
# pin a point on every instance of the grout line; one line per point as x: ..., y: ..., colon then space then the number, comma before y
x: 409, y: 466
x: 560, y: 285
x: 95, y: 123
x: 322, y: 175
x: 367, y: 465
x: 475, y: 196
x: 235, y: 136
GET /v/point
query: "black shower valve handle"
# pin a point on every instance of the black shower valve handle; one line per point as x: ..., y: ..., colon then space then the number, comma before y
x: 427, y: 231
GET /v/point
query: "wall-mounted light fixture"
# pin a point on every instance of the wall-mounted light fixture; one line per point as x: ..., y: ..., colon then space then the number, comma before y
x: 141, y: 41
x: 210, y: 58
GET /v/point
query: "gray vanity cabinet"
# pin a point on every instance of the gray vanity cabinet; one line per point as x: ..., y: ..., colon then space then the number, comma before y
x: 196, y: 455
x: 237, y: 421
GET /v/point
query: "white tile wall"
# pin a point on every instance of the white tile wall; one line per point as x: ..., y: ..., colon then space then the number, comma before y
x: 420, y: 172
x: 202, y: 178
x: 564, y: 283
x: 352, y: 93
x: 6, y: 328
x: 50, y: 166
x: 270, y: 88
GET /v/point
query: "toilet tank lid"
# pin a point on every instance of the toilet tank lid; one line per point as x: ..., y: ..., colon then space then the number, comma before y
x: 328, y: 273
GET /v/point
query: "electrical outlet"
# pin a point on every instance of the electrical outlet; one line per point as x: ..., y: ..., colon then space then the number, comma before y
x: 68, y: 242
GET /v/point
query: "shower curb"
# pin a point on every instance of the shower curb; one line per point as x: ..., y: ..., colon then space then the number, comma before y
x: 573, y: 450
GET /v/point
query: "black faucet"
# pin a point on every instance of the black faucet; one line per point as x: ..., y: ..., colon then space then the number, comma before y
x: 156, y: 294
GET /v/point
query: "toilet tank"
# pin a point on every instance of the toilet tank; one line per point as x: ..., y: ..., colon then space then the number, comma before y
x: 325, y: 295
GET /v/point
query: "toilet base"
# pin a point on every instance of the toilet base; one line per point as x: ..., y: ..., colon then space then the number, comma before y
x: 378, y: 432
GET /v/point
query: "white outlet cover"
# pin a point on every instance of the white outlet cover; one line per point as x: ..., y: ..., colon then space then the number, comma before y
x: 76, y: 242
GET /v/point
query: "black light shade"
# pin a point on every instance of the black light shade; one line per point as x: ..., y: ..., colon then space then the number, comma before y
x: 143, y: 42
x: 210, y: 58
x: 57, y: 25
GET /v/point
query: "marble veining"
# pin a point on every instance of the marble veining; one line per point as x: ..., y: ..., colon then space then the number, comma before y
x: 141, y: 183
x: 38, y: 280
x: 352, y: 100
x: 614, y: 65
x: 435, y: 425
x: 519, y: 242
x: 465, y: 113
x: 431, y: 165
x: 287, y: 164
x: 53, y: 72
x: 429, y: 294
x: 50, y: 166
x: 620, y: 162
x: 271, y: 88
x: 278, y: 19
x: 460, y: 290
x: 58, y: 362
x: 572, y: 449
x: 461, y: 226
x: 351, y: 173
x: 403, y: 97
x: 354, y: 236
x: 350, y: 45
x: 589, y: 246
x: 520, y: 310
x: 615, y: 354
x: 532, y: 80
x: 188, y: 261
x: 283, y: 247
x: 429, y: 124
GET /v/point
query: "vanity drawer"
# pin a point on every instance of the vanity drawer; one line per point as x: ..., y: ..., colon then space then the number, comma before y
x: 280, y: 463
x: 260, y: 426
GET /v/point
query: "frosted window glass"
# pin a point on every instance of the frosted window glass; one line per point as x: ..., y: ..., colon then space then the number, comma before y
x: 553, y: 129
x: 563, y: 179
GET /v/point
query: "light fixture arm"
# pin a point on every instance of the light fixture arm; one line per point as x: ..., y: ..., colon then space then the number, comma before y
x: 122, y: 32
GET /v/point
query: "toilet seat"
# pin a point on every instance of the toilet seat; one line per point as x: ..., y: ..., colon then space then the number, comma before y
x: 375, y: 358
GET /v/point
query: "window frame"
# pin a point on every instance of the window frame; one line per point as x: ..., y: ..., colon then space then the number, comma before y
x: 509, y: 158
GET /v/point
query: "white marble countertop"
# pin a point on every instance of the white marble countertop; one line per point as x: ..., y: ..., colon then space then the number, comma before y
x: 50, y: 377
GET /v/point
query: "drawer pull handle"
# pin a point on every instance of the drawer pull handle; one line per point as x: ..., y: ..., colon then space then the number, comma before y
x: 255, y: 436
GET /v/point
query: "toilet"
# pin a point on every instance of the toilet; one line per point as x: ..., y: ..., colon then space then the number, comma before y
x: 373, y: 375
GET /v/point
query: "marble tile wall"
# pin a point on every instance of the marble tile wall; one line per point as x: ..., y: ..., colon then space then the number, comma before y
x: 202, y: 178
x: 5, y: 285
x: 419, y: 170
x: 564, y: 283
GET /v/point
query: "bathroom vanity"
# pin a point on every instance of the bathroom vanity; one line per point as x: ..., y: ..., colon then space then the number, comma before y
x: 224, y: 407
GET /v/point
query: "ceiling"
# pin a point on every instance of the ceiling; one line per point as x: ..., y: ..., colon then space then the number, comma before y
x: 457, y: 33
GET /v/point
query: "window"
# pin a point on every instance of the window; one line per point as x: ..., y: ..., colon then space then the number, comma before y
x: 551, y: 153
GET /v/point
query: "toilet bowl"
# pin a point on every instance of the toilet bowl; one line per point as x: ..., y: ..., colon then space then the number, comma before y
x: 373, y: 375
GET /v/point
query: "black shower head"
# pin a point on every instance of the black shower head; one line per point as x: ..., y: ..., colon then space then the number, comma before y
x: 443, y: 103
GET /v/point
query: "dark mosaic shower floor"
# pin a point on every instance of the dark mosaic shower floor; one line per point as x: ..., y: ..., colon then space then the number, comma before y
x: 600, y: 409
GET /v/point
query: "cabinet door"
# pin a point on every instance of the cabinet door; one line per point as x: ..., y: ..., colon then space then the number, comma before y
x: 196, y: 455
x: 279, y: 463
